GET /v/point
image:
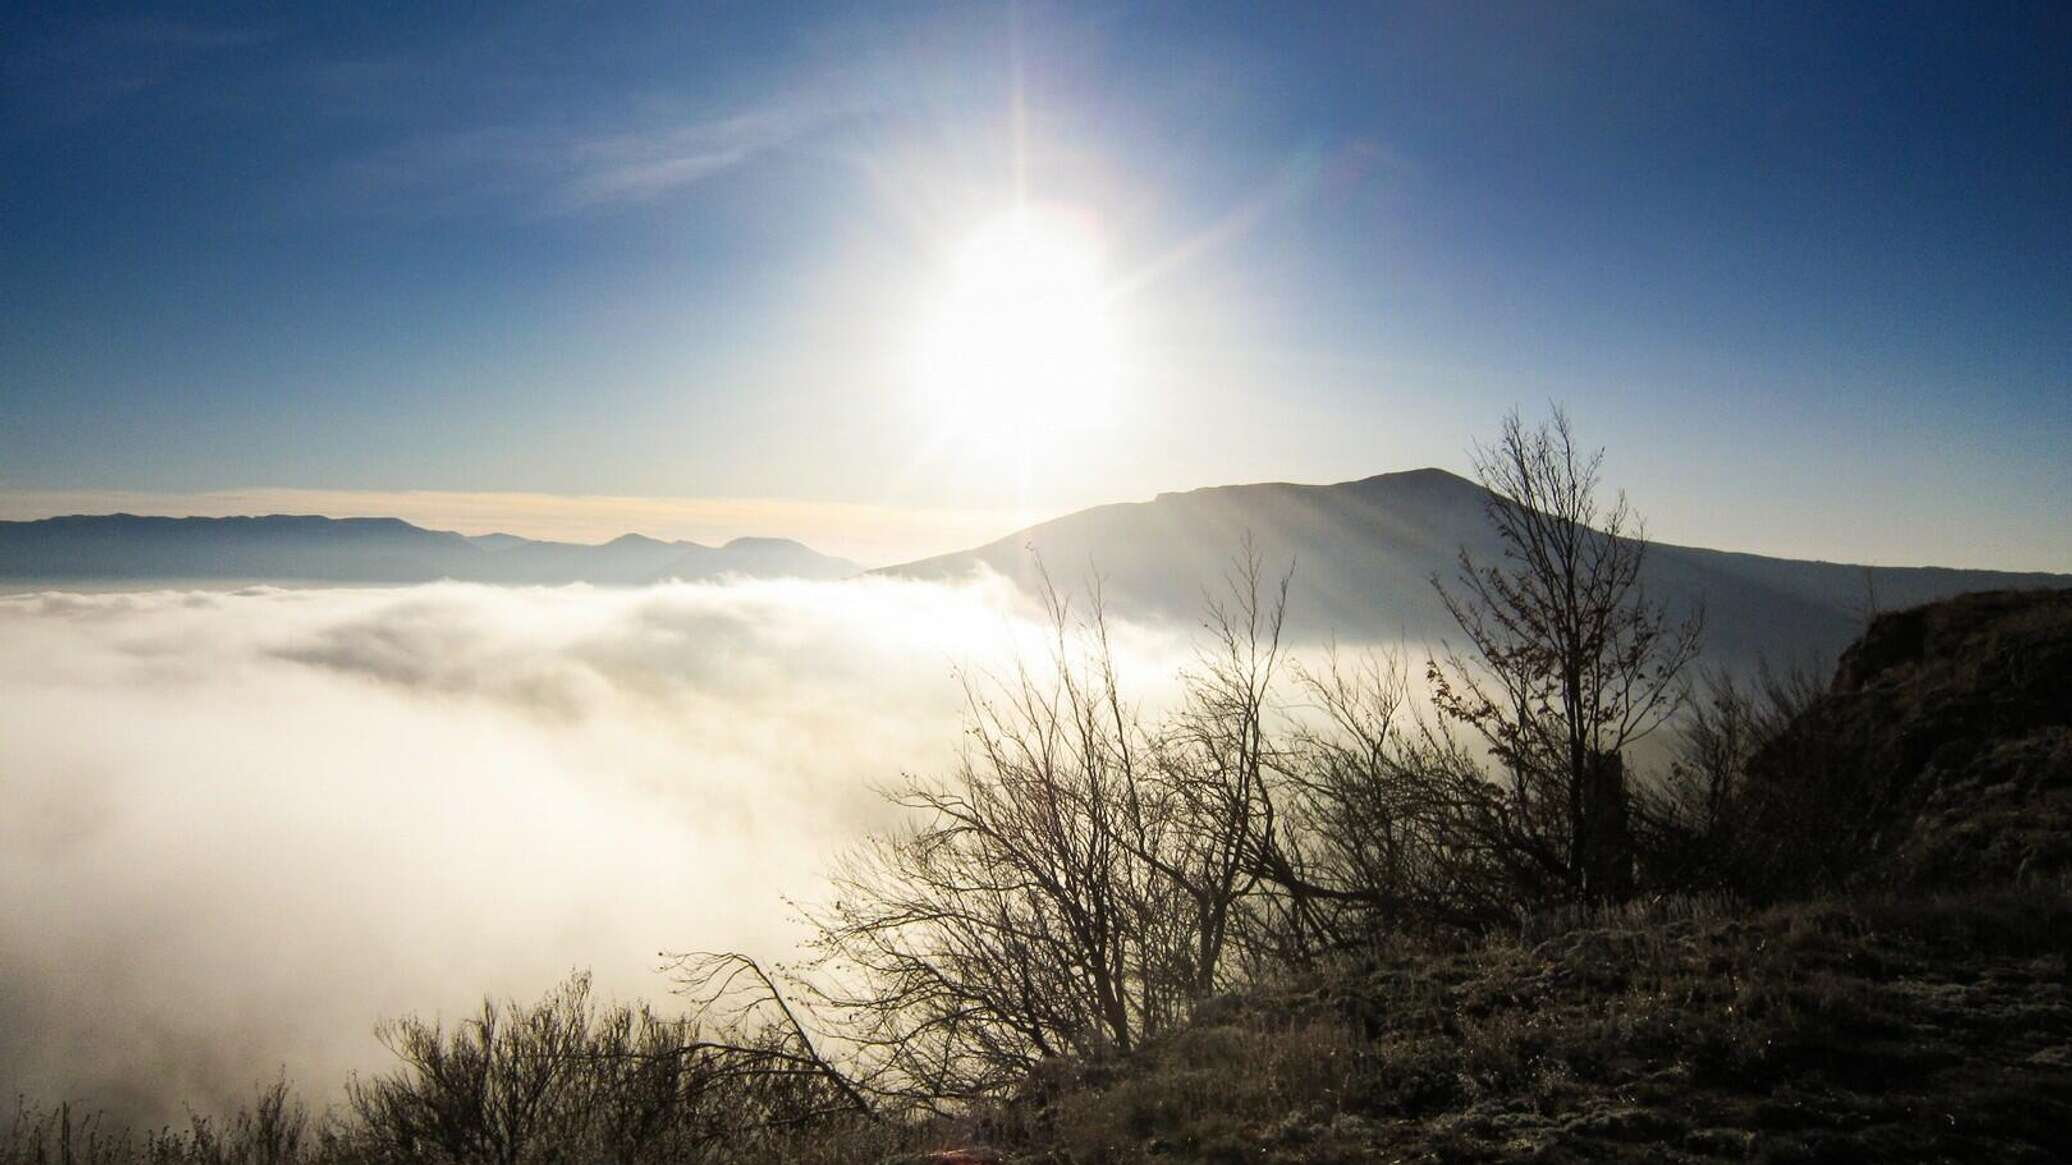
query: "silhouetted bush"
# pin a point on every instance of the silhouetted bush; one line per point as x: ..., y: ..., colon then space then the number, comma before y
x: 1705, y: 825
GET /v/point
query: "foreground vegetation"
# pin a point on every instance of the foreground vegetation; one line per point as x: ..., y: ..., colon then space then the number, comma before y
x: 1932, y: 1029
x: 1924, y: 1028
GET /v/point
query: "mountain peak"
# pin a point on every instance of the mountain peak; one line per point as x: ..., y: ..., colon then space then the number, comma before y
x: 1430, y: 476
x: 1428, y: 482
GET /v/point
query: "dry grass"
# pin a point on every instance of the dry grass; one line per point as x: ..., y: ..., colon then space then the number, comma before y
x: 1678, y: 1031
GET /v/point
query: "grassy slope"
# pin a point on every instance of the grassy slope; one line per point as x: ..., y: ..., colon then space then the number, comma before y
x: 1926, y: 1029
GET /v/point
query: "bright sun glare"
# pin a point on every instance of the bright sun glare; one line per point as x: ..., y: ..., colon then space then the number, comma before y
x: 1022, y: 348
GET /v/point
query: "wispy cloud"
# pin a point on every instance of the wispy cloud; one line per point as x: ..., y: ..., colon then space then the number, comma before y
x: 547, y: 168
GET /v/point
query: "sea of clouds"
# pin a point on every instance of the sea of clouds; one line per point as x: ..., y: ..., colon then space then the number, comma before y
x: 238, y: 828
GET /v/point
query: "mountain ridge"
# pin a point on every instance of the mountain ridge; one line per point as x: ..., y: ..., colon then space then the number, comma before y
x: 1365, y: 551
x: 370, y: 550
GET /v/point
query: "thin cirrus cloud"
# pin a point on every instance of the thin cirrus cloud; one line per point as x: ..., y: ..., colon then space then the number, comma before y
x: 546, y: 169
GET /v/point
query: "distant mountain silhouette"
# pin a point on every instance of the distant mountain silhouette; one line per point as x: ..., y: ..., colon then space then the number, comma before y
x: 370, y: 550
x: 1365, y: 552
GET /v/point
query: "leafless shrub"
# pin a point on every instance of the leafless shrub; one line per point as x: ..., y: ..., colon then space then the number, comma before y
x: 568, y: 1078
x: 1399, y: 827
x: 1697, y: 824
x: 274, y: 1129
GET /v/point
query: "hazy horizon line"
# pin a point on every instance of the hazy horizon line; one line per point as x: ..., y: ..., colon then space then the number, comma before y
x: 871, y: 535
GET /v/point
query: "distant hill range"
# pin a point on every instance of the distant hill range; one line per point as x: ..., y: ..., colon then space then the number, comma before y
x: 1365, y: 552
x: 286, y: 548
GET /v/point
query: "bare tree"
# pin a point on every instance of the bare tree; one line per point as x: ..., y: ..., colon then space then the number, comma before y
x: 1009, y: 921
x: 1077, y: 882
x: 1213, y: 787
x: 1567, y: 660
x: 761, y: 1041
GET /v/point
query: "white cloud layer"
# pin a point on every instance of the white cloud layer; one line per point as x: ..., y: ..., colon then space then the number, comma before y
x: 241, y: 827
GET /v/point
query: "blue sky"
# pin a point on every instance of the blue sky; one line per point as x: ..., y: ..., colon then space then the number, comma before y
x: 1805, y: 270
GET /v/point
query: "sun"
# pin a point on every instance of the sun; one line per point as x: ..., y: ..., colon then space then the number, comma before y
x: 1021, y: 349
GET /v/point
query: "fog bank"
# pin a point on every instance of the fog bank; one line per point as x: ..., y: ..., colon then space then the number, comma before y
x: 241, y: 827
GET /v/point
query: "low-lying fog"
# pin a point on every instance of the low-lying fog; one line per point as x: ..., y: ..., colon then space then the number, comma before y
x: 239, y: 828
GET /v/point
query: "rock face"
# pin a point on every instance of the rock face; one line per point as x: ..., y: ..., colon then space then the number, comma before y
x: 1941, y: 757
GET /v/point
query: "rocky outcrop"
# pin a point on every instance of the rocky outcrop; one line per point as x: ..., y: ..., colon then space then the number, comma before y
x: 1941, y: 756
